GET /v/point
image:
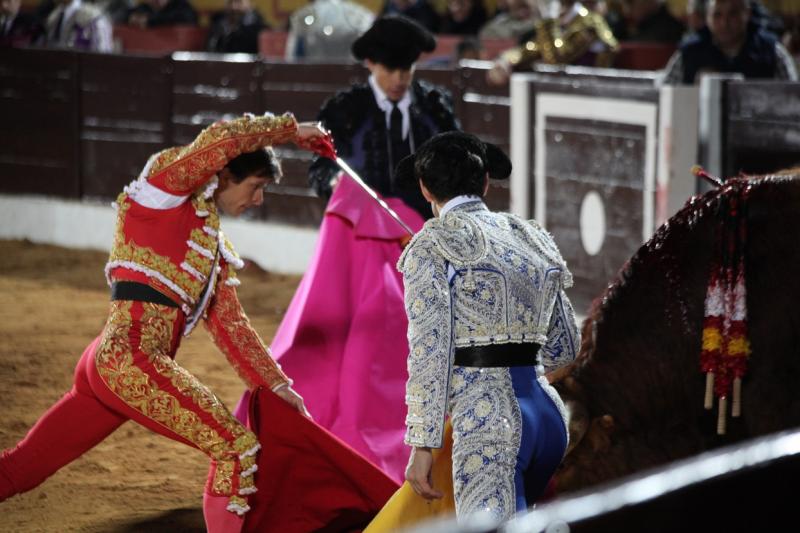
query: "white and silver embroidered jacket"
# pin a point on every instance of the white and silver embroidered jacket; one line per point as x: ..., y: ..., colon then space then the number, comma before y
x: 474, y: 277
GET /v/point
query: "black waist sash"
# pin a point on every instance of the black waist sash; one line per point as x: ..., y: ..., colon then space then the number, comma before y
x: 131, y: 290
x: 497, y: 355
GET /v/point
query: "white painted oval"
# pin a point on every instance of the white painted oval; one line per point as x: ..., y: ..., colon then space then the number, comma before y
x: 593, y: 223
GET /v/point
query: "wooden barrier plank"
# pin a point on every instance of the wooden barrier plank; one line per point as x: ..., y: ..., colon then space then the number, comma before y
x: 40, y: 110
x: 207, y: 88
x: 125, y: 107
x: 304, y: 87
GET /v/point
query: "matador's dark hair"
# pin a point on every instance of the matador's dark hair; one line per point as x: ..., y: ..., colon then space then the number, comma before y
x: 262, y: 163
x: 451, y: 164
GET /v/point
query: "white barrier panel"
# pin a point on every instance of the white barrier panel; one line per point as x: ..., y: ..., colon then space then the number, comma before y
x: 601, y: 161
x: 278, y: 248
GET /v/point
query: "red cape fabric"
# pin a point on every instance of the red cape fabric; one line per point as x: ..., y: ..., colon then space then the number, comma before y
x: 308, y: 479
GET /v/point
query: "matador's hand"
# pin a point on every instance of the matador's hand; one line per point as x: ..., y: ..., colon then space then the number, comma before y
x: 313, y: 137
x: 418, y: 473
x: 294, y: 399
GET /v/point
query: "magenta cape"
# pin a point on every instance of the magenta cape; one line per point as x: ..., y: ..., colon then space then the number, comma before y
x: 343, y: 339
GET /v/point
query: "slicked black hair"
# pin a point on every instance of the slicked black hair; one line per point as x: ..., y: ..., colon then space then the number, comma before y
x: 453, y: 163
x: 262, y: 163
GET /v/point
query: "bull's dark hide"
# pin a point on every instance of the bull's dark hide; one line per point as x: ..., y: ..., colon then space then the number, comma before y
x: 637, y: 377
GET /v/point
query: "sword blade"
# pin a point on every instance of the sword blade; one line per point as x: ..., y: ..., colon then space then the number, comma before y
x: 355, y: 177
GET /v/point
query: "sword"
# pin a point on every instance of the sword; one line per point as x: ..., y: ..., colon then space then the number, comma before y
x: 356, y: 178
x: 323, y: 145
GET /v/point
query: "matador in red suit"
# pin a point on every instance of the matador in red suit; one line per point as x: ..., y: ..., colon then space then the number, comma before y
x: 171, y: 267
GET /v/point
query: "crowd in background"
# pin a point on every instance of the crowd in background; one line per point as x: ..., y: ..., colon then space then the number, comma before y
x: 87, y: 25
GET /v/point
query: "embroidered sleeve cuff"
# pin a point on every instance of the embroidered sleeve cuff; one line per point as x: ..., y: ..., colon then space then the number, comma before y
x: 276, y: 379
x: 422, y: 430
x: 416, y: 435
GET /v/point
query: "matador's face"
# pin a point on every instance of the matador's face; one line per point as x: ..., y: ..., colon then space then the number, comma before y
x: 394, y: 82
x: 235, y: 198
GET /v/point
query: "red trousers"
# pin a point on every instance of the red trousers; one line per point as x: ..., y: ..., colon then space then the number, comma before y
x: 128, y: 372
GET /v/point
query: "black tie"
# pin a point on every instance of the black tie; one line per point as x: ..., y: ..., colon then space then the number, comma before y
x: 398, y: 147
x: 396, y: 126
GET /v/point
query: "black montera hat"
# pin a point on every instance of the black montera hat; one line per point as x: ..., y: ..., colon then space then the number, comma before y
x: 451, y: 149
x: 394, y: 41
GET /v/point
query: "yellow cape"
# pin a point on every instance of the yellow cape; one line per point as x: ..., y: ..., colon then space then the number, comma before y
x: 405, y: 508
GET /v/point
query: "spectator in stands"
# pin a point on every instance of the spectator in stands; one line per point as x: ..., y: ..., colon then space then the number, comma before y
x: 80, y: 25
x: 419, y: 10
x: 235, y: 29
x: 730, y: 44
x: 567, y: 34
x: 17, y: 29
x: 695, y: 16
x: 513, y: 23
x: 463, y: 17
x: 651, y: 21
x: 326, y: 29
x: 155, y: 13
x: 759, y: 16
x: 469, y: 47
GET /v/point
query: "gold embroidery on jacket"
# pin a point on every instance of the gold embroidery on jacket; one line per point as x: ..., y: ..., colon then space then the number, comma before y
x: 245, y: 348
x: 201, y: 238
x: 146, y: 257
x: 223, y: 477
x: 200, y: 263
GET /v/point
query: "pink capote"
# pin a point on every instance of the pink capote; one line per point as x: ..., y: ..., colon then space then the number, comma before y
x: 343, y: 338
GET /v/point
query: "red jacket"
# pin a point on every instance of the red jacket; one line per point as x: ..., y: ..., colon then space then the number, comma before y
x: 168, y: 237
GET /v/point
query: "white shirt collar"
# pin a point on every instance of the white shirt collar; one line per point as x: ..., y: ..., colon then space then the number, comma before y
x: 457, y: 201
x: 386, y: 105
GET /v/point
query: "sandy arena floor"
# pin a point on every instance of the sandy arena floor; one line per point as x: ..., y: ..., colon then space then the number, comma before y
x: 53, y: 302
